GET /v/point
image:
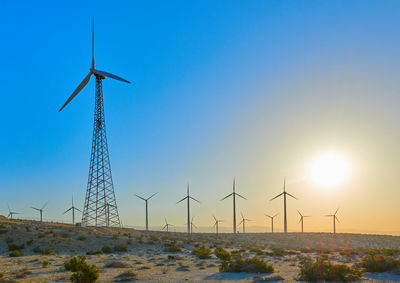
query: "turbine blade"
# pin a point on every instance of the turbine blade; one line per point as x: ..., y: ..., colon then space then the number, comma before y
x: 337, y: 219
x: 67, y: 210
x: 275, y: 215
x: 140, y: 197
x: 152, y: 195
x: 164, y: 227
x: 35, y: 208
x: 78, y: 209
x: 9, y: 215
x: 299, y: 213
x: 93, y: 45
x: 240, y: 223
x: 242, y: 215
x: 45, y: 205
x: 9, y: 208
x: 292, y: 196
x: 267, y: 215
x: 195, y: 199
x: 299, y: 221
x: 182, y: 200
x: 336, y: 211
x: 77, y: 90
x: 215, y: 218
x: 241, y: 196
x: 109, y: 75
x: 227, y: 196
x: 276, y: 197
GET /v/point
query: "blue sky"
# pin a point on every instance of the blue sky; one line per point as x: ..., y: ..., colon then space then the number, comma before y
x: 219, y: 89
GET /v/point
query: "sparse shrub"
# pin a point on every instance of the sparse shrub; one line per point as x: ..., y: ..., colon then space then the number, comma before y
x: 48, y: 252
x: 14, y: 247
x: 249, y: 265
x: 116, y: 264
x: 94, y: 252
x: 379, y: 263
x: 120, y: 248
x: 64, y: 235
x: 37, y: 250
x: 41, y: 235
x: 256, y: 250
x: 323, y: 270
x: 126, y: 276
x: 45, y: 263
x: 81, y: 238
x: 129, y: 242
x: 172, y: 247
x: 75, y: 263
x: 222, y: 254
x: 87, y: 274
x: 29, y: 242
x: 16, y: 253
x: 202, y: 252
x: 27, y: 228
x: 115, y: 237
x: 171, y: 257
x: 106, y: 250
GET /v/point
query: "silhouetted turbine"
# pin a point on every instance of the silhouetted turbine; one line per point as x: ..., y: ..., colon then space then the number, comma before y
x: 244, y: 223
x: 302, y: 220
x: 216, y: 224
x: 188, y: 197
x: 233, y: 194
x: 166, y: 225
x: 40, y: 210
x: 147, y: 214
x: 73, y: 208
x: 334, y: 220
x: 272, y: 221
x: 284, y: 193
x: 11, y: 213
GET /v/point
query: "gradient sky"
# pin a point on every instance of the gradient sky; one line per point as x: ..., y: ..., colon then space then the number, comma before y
x: 252, y: 89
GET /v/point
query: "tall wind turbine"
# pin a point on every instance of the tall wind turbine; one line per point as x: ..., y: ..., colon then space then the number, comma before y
x: 188, y: 197
x: 284, y: 193
x: 73, y: 208
x: 40, y: 210
x: 216, y: 224
x: 234, y: 194
x: 244, y: 223
x: 302, y: 220
x: 100, y: 188
x: 334, y: 220
x: 147, y: 214
x: 11, y: 213
x: 272, y: 221
x: 166, y: 224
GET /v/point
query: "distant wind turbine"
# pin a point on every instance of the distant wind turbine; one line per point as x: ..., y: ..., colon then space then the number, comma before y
x: 166, y: 225
x: 147, y: 214
x: 188, y: 197
x: 334, y: 220
x: 302, y: 220
x: 234, y: 194
x: 244, y: 223
x: 284, y: 193
x: 192, y: 225
x: 272, y: 221
x: 216, y: 224
x: 40, y: 210
x: 73, y: 208
x: 11, y: 213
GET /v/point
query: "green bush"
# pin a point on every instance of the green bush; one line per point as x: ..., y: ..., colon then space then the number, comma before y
x: 37, y: 250
x: 120, y: 248
x: 379, y: 263
x: 323, y: 270
x: 75, y: 263
x: 29, y: 242
x: 94, y: 252
x: 202, y: 252
x: 250, y: 265
x: 172, y: 247
x: 87, y: 274
x: 222, y: 254
x: 81, y: 238
x: 45, y: 263
x: 106, y: 250
x: 14, y: 247
x: 16, y: 253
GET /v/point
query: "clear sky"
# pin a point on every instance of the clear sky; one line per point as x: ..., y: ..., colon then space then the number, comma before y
x: 252, y: 89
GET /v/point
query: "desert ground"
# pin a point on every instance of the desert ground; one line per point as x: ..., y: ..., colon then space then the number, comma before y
x: 123, y: 255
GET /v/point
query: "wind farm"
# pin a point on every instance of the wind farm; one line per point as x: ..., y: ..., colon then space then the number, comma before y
x: 253, y: 142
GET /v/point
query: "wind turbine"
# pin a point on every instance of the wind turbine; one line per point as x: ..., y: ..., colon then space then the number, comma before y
x: 334, y: 220
x: 73, y: 208
x: 147, y: 214
x: 40, y: 210
x: 244, y: 223
x: 11, y: 213
x: 272, y: 221
x: 100, y: 188
x: 216, y: 224
x: 284, y: 193
x: 188, y: 197
x: 166, y: 224
x: 192, y: 225
x: 234, y: 194
x: 302, y: 220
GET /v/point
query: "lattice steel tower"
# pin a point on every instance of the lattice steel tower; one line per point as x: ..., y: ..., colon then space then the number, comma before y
x: 100, y: 204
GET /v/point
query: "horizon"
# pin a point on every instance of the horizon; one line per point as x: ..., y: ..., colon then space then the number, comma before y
x: 219, y: 91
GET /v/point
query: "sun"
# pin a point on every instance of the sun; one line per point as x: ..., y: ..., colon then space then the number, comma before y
x: 329, y: 169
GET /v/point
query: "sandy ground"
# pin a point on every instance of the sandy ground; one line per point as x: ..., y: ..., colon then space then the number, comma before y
x: 146, y: 257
